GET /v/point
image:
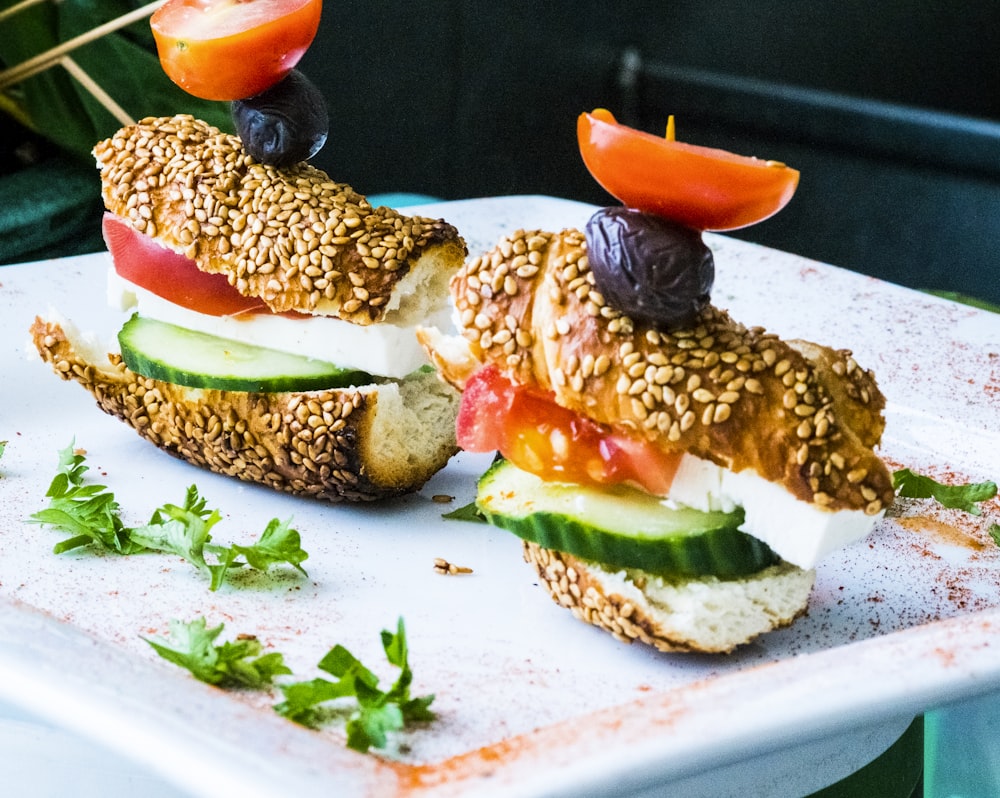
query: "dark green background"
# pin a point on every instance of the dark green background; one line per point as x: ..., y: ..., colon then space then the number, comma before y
x: 891, y: 110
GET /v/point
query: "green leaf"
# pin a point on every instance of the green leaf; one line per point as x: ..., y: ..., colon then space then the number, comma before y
x: 340, y: 662
x: 467, y: 512
x: 228, y: 558
x: 191, y: 646
x: 397, y: 651
x: 370, y: 725
x: 995, y: 533
x: 182, y: 530
x: 910, y: 485
x: 89, y: 514
x: 417, y: 709
x: 303, y: 698
x: 123, y: 63
x: 278, y: 543
x: 233, y: 664
x: 378, y: 712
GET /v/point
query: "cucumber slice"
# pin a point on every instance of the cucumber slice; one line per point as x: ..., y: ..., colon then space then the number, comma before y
x: 198, y: 360
x: 619, y: 527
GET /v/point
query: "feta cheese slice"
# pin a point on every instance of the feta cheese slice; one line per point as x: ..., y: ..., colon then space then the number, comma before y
x: 799, y: 532
x: 383, y: 349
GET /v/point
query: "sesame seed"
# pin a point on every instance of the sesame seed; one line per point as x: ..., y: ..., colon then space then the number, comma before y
x: 250, y: 220
x: 675, y: 384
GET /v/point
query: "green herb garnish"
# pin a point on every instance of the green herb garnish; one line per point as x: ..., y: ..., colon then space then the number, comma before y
x: 123, y: 63
x: 184, y: 531
x: 910, y: 485
x: 91, y: 517
x: 240, y: 664
x: 378, y: 712
x: 237, y: 664
x: 467, y: 512
x: 995, y: 533
x: 88, y: 513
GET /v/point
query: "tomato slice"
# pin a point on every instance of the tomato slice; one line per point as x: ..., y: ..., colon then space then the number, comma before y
x: 538, y: 435
x: 232, y: 49
x: 147, y: 264
x: 701, y: 187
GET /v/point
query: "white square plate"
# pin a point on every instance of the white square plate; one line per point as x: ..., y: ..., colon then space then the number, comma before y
x: 529, y: 700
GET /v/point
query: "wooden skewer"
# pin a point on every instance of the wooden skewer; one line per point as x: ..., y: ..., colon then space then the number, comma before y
x: 43, y: 61
x: 19, y: 7
x: 94, y: 88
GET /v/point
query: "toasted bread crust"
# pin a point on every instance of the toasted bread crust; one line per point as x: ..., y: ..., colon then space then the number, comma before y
x: 697, y: 615
x: 798, y: 414
x: 351, y: 444
x: 292, y: 237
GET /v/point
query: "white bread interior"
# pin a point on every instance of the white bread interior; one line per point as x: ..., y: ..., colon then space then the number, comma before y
x: 706, y: 615
x: 292, y: 237
x: 358, y: 443
x: 801, y: 415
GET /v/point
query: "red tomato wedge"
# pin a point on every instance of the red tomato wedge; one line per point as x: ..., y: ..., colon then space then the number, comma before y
x: 147, y: 264
x: 538, y: 435
x: 701, y: 187
x: 232, y: 49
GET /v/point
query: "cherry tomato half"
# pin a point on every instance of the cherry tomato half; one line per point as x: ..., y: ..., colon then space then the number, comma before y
x: 701, y: 187
x: 232, y: 49
x: 557, y: 444
x: 140, y: 260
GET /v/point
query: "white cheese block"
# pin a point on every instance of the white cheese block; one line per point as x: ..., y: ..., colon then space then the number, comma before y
x: 383, y: 349
x: 799, y: 532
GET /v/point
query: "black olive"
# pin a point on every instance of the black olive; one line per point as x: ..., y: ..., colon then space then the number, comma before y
x: 284, y: 124
x: 652, y: 269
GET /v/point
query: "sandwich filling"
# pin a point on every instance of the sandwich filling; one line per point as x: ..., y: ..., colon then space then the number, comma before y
x: 386, y: 349
x: 163, y: 285
x: 711, y: 416
x: 562, y: 447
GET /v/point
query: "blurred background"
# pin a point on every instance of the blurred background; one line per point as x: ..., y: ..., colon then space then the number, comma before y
x: 890, y: 109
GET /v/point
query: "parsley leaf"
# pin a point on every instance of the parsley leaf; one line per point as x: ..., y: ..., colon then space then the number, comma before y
x: 995, y: 533
x: 90, y: 515
x: 233, y: 664
x: 181, y: 530
x: 467, y: 512
x: 910, y: 485
x: 378, y: 712
x: 278, y: 543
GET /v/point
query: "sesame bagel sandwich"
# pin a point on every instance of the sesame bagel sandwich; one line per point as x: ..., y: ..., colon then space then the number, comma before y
x: 273, y: 317
x: 675, y: 475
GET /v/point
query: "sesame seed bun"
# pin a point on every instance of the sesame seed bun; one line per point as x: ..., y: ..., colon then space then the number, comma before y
x: 291, y: 237
x: 707, y: 615
x: 299, y: 241
x: 364, y: 443
x: 798, y: 414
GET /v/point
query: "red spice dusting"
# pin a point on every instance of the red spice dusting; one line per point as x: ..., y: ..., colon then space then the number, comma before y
x: 484, y: 762
x: 946, y: 656
x: 941, y: 531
